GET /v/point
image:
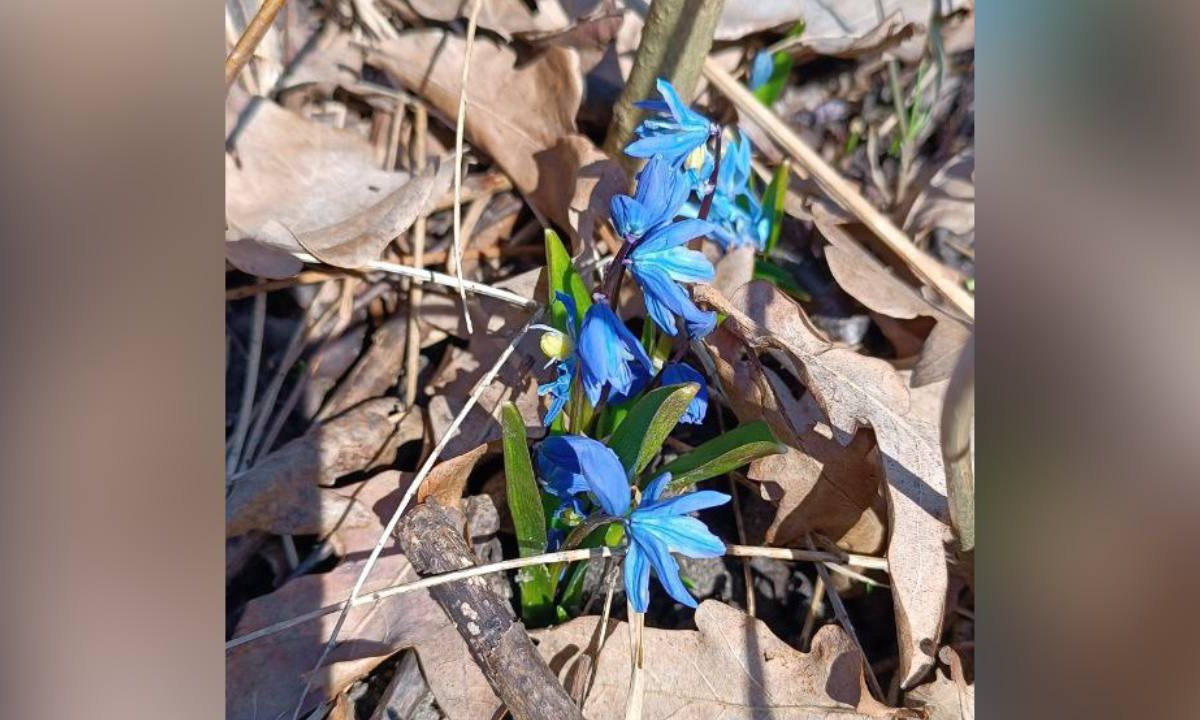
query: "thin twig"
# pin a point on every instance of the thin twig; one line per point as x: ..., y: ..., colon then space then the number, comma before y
x: 251, y: 37
x: 436, y: 278
x: 251, y: 384
x: 480, y: 386
x: 563, y: 556
x: 412, y: 345
x: 840, y: 189
x: 458, y: 159
x: 840, y: 610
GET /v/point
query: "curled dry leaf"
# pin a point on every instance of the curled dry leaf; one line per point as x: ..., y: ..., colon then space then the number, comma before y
x: 447, y: 480
x: 290, y: 491
x: 865, y: 278
x: 949, y: 200
x: 294, y: 184
x: 517, y: 135
x: 854, y: 390
x: 264, y: 678
x: 735, y: 269
x: 732, y: 667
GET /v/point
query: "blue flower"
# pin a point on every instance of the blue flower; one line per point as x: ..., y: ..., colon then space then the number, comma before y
x: 679, y: 373
x: 761, y: 69
x: 561, y: 349
x: 662, y: 189
x: 673, y: 131
x: 736, y: 212
x: 656, y: 528
x: 660, y: 262
x: 610, y: 354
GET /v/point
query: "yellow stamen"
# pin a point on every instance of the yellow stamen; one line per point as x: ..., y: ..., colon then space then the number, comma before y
x: 556, y: 345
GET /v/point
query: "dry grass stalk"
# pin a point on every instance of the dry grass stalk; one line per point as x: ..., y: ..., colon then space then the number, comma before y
x: 251, y: 37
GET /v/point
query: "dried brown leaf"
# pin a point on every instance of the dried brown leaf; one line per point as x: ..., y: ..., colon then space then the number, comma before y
x: 732, y: 667
x: 514, y: 114
x: 854, y: 391
x: 946, y: 697
x: 288, y: 178
x: 949, y: 200
x: 865, y: 278
x: 289, y: 490
x: 264, y: 678
x: 447, y: 480
x: 361, y: 238
x: 510, y: 17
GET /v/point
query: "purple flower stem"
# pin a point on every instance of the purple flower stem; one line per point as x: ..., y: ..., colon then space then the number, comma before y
x: 706, y: 204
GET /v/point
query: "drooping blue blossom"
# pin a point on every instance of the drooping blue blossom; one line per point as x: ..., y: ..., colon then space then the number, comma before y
x: 661, y: 191
x: 561, y: 349
x: 558, y: 466
x: 678, y: 373
x: 673, y: 131
x: 659, y: 261
x: 760, y: 69
x: 610, y: 355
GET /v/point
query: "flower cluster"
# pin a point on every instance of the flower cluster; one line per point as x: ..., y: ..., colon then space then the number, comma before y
x: 601, y: 367
x: 585, y: 473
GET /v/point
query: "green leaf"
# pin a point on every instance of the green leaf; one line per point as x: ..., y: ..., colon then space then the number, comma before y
x: 773, y: 202
x: 724, y: 453
x: 563, y: 277
x: 781, y: 68
x: 640, y: 436
x: 529, y: 519
x: 780, y: 278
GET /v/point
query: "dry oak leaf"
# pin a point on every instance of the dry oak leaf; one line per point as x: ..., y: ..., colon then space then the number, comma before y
x: 294, y: 184
x: 869, y: 282
x: 854, y: 390
x: 514, y: 114
x: 264, y: 678
x: 290, y: 490
x: 817, y: 485
x: 732, y: 667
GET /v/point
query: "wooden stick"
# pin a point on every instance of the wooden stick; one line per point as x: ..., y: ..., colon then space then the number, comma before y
x: 251, y: 37
x: 500, y: 646
x: 841, y: 190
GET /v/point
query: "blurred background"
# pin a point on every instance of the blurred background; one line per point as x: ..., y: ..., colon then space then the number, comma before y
x: 111, y: 205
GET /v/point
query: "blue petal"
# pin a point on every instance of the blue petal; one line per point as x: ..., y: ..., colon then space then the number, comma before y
x: 608, y: 353
x: 602, y: 472
x: 559, y: 390
x: 655, y: 488
x: 681, y: 264
x: 665, y: 299
x: 661, y: 189
x: 761, y: 69
x: 683, y: 504
x: 673, y: 146
x: 572, y: 312
x: 683, y: 114
x: 665, y: 566
x: 676, y: 373
x: 627, y: 216
x: 558, y: 464
x: 637, y: 576
x: 681, y: 534
x: 673, y: 235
